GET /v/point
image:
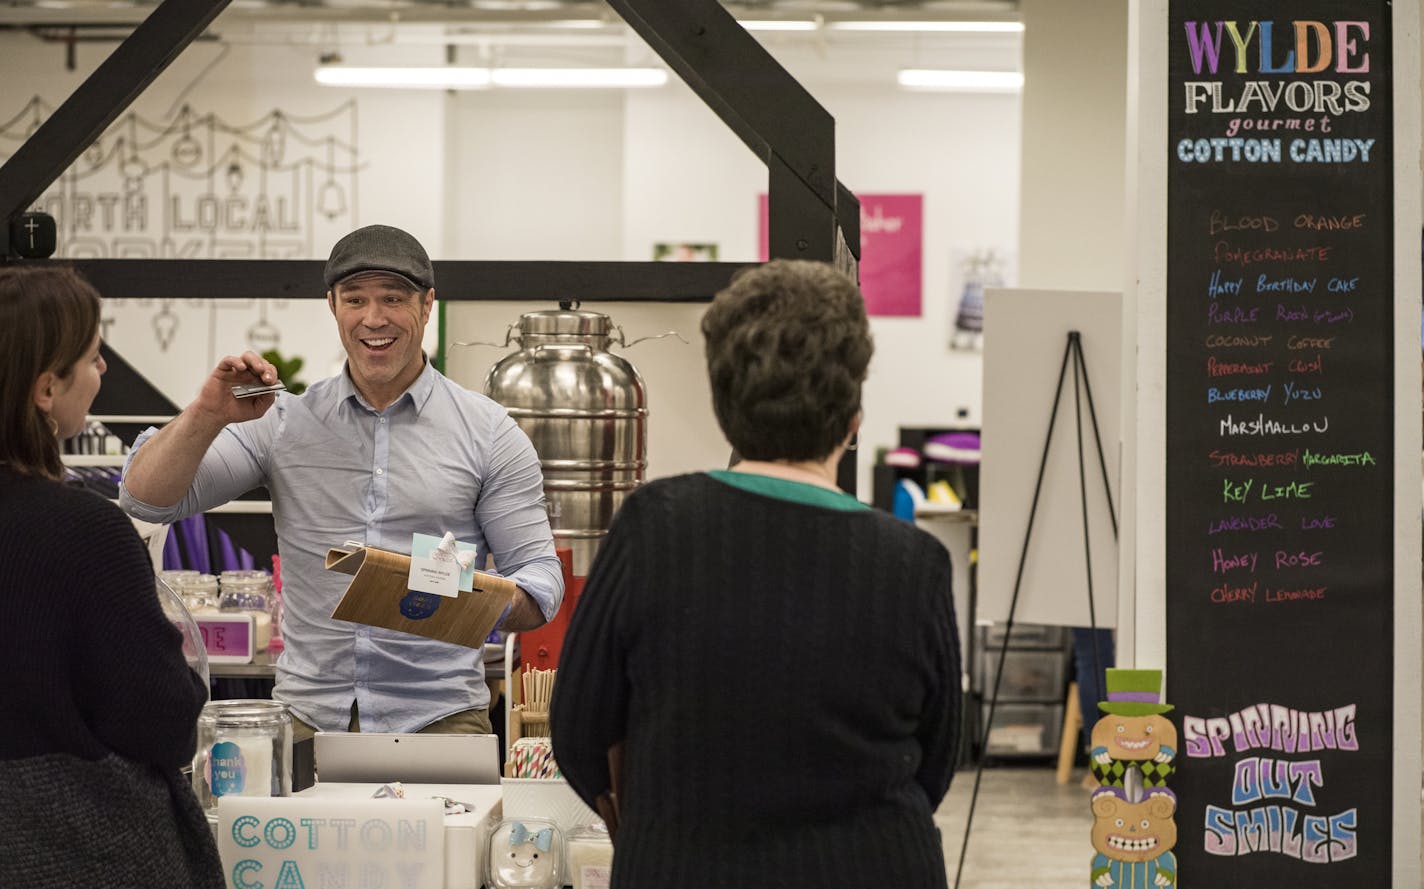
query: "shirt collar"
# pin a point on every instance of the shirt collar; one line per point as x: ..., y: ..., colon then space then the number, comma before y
x: 418, y: 393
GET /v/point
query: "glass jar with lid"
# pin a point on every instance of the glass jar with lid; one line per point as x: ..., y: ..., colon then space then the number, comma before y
x: 198, y: 591
x: 244, y: 749
x: 175, y: 577
x: 245, y: 590
x: 250, y: 591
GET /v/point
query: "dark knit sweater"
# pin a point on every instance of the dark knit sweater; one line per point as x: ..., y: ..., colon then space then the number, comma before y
x: 98, y: 708
x: 787, y: 680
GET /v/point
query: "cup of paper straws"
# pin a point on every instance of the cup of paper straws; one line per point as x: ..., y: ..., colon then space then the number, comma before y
x: 534, y: 710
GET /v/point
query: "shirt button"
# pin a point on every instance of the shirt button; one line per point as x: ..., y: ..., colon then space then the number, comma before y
x: 383, y: 421
x: 380, y: 472
x: 360, y: 683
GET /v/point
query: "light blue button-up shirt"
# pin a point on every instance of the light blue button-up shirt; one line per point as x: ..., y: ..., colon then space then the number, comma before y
x: 440, y: 458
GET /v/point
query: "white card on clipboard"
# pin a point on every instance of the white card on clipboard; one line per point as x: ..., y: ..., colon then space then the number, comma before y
x: 440, y: 576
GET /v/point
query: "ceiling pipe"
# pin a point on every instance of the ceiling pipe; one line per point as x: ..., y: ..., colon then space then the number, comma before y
x: 558, y: 15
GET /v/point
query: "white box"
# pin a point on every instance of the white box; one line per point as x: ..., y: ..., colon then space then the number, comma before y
x: 466, y: 836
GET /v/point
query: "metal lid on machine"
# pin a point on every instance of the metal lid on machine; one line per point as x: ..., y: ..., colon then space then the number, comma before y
x: 566, y: 321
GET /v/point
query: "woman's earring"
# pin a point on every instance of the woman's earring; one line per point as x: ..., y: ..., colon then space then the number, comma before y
x: 854, y: 442
x: 53, y: 425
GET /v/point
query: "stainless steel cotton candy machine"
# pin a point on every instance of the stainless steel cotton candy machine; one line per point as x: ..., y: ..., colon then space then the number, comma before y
x: 586, y: 411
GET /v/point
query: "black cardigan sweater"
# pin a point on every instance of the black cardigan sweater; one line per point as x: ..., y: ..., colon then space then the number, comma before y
x: 786, y: 678
x: 98, y: 708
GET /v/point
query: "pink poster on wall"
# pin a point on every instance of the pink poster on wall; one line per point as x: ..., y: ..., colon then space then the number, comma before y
x: 890, y: 251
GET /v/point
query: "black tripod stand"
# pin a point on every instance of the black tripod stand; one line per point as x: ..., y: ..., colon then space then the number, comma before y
x: 1073, y: 352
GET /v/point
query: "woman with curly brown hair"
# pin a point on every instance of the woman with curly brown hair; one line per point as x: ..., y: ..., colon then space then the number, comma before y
x: 777, y: 663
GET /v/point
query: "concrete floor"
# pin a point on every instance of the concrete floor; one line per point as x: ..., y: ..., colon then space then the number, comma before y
x: 1028, y: 830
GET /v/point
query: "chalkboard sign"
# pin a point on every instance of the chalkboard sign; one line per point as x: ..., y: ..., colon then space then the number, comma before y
x: 1280, y: 440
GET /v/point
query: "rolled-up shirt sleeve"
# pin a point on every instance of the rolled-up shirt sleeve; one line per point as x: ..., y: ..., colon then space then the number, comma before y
x: 234, y: 464
x: 512, y: 515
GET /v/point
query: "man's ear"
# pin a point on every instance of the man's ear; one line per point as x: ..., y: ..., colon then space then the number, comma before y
x: 331, y: 302
x: 44, y: 391
x: 428, y: 303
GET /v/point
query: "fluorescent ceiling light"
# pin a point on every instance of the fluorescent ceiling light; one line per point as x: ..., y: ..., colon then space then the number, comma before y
x: 515, y: 5
x: 530, y: 37
x: 963, y: 81
x: 579, y: 77
x: 778, y: 24
x: 941, y: 26
x: 576, y: 23
x: 464, y: 78
x: 448, y: 78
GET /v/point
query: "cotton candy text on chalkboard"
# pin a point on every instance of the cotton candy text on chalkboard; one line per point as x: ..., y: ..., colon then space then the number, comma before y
x: 1293, y: 102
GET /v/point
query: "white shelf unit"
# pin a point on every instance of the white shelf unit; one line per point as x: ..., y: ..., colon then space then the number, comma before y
x: 77, y: 460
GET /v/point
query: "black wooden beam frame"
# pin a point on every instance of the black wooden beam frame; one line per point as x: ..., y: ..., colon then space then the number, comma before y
x: 455, y: 280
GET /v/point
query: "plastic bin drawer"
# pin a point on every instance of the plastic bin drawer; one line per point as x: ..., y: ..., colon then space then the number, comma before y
x: 1024, y: 729
x: 1029, y: 675
x: 1026, y: 636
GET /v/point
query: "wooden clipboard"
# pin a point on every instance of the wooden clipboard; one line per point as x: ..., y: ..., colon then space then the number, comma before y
x: 379, y: 597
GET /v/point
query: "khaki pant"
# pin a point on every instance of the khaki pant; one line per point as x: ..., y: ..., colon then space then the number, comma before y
x: 466, y: 722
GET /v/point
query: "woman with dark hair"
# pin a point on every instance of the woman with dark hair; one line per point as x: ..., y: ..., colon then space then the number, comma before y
x: 775, y: 664
x: 100, y: 707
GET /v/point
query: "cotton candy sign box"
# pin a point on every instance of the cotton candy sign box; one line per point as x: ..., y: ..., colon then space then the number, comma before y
x: 380, y: 596
x: 291, y: 842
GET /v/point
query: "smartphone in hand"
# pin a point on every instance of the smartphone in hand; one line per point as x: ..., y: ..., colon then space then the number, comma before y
x: 250, y: 390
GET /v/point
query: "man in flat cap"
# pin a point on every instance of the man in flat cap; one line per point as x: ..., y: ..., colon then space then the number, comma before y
x: 387, y: 448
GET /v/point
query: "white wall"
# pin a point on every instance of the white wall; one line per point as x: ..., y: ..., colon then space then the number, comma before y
x: 1077, y: 231
x: 399, y: 143
x: 686, y: 177
x: 962, y: 152
x: 533, y: 175
x: 1074, y: 154
x: 592, y: 175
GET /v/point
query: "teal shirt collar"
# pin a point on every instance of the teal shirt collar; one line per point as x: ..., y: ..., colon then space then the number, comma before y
x: 784, y: 489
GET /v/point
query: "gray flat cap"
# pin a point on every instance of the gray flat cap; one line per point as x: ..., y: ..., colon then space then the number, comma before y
x: 380, y: 248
